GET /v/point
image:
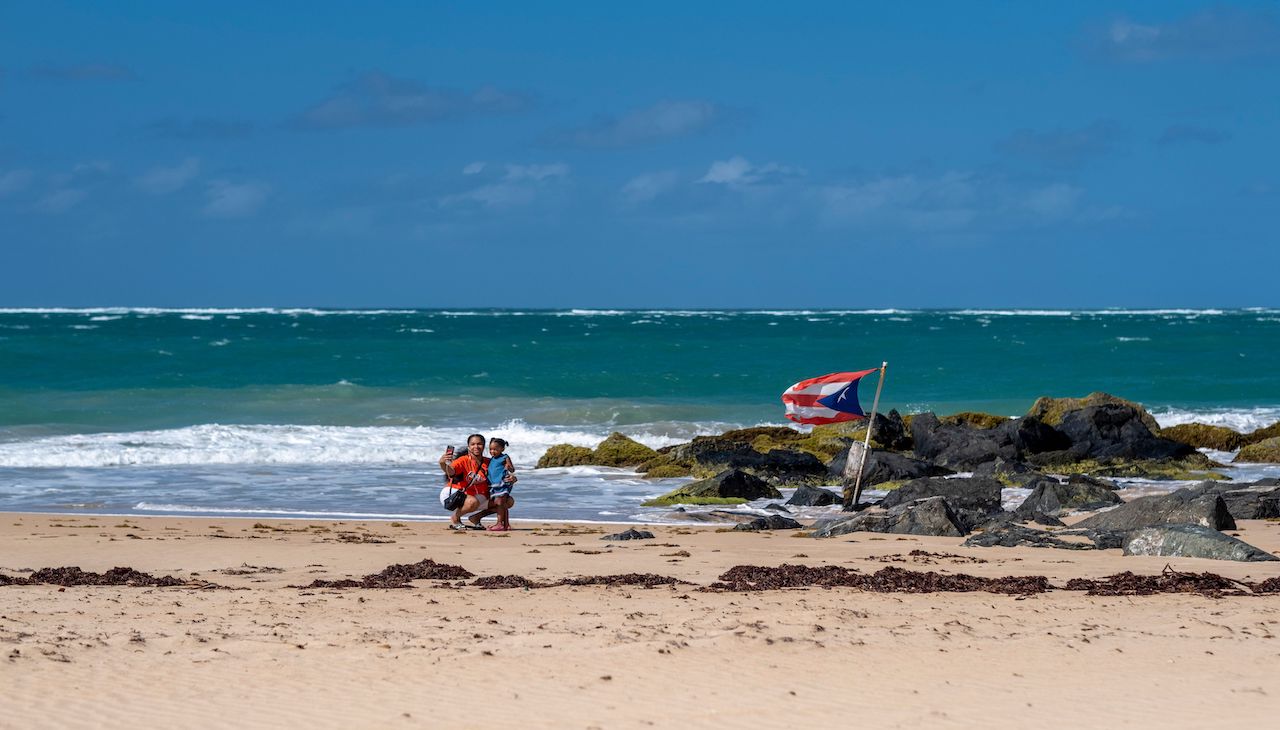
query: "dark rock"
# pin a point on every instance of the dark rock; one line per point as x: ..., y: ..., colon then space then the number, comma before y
x: 1191, y: 541
x: 1185, y: 506
x: 807, y: 496
x: 1005, y: 518
x: 890, y: 432
x: 1011, y: 473
x: 882, y: 466
x: 772, y: 522
x: 1086, y: 479
x: 727, y: 485
x: 775, y: 507
x: 1029, y: 435
x: 956, y: 446
x: 780, y: 466
x: 1013, y: 535
x: 930, y: 516
x: 974, y: 499
x: 1050, y: 497
x: 716, y: 516
x: 1113, y: 431
x: 1249, y: 501
x: 632, y: 534
x: 1008, y: 534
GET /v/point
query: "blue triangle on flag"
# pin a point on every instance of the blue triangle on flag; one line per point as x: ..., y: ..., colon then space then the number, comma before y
x: 844, y: 400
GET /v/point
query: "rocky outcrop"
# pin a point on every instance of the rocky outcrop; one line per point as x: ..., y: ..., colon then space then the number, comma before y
x: 973, y: 500
x: 1009, y: 473
x: 565, y: 455
x: 714, y: 517
x: 962, y: 447
x: 772, y: 522
x: 1203, y: 436
x: 1266, y: 451
x: 1250, y: 501
x: 930, y: 516
x: 1191, y: 541
x: 621, y: 451
x: 711, y: 454
x: 806, y: 496
x: 616, y: 450
x: 1115, y: 431
x: 881, y: 467
x: 632, y: 534
x: 1012, y: 535
x: 1185, y: 506
x: 1050, y: 497
x: 732, y: 486
x: 1051, y: 410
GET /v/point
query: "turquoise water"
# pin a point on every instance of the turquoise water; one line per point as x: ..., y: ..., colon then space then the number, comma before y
x: 108, y: 399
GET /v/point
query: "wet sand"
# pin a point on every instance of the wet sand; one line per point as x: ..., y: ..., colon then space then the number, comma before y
x: 444, y: 652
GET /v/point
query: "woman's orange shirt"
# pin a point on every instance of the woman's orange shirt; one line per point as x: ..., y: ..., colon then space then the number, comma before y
x: 465, y: 470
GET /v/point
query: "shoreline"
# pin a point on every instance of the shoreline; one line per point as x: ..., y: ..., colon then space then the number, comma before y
x: 265, y: 654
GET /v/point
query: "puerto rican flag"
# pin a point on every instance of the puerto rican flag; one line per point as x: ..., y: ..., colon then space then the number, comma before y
x: 826, y: 399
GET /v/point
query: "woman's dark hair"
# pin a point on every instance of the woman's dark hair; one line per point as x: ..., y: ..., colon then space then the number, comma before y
x: 498, y: 441
x: 475, y: 436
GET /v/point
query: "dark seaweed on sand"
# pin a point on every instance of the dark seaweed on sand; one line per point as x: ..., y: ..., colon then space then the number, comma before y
x: 73, y: 576
x: 1170, y: 581
x: 886, y: 580
x: 645, y: 580
x: 398, y: 576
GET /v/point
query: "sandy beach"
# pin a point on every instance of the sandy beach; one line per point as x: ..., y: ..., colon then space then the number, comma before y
x: 441, y: 653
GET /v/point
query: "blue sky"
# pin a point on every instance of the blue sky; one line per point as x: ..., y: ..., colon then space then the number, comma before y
x: 657, y: 155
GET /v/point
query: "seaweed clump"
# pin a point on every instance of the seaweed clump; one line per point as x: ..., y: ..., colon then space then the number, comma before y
x: 73, y: 576
x: 1169, y: 581
x: 398, y: 575
x: 744, y: 578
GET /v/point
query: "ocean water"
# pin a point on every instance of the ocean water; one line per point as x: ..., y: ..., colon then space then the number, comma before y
x: 326, y: 413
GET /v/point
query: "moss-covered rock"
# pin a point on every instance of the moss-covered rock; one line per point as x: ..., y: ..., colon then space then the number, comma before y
x: 1050, y: 410
x: 618, y: 450
x: 1262, y: 452
x: 1191, y: 469
x: 974, y: 419
x: 1204, y: 436
x: 566, y: 455
x: 667, y: 471
x: 775, y: 434
x: 734, y: 485
x: 1263, y: 434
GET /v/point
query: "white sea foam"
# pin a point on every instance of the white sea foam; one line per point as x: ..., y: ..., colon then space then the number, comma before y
x: 270, y: 444
x: 1242, y: 420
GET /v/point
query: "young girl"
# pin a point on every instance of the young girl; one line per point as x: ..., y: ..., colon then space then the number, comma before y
x: 502, y: 475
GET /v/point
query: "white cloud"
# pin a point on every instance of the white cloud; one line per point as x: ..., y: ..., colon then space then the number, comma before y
x: 165, y: 180
x: 537, y: 173
x: 737, y: 171
x: 474, y: 168
x: 14, y: 181
x: 1054, y: 201
x: 226, y: 199
x: 62, y: 200
x: 644, y: 188
x: 667, y: 119
x: 518, y: 186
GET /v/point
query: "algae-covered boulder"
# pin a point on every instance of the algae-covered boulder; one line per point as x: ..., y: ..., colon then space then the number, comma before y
x: 929, y: 516
x: 566, y: 455
x: 732, y: 486
x: 1262, y: 452
x: 1204, y: 436
x: 1050, y: 497
x: 1050, y: 410
x: 662, y: 467
x: 1263, y: 434
x: 618, y: 450
x: 974, y: 419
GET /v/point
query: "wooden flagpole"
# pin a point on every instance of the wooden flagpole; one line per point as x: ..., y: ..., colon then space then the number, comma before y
x: 866, y: 444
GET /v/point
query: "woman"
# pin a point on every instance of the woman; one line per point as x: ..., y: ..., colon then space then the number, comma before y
x: 470, y: 473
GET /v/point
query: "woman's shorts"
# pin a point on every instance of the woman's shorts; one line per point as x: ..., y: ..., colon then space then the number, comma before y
x: 481, y: 500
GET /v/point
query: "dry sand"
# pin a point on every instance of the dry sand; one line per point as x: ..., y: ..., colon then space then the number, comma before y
x: 268, y: 655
